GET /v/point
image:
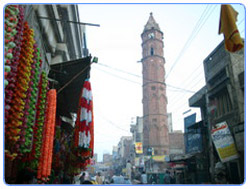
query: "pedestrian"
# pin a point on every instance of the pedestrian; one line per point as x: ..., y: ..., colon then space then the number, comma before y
x: 82, y: 178
x: 77, y: 178
x: 167, y: 177
x: 128, y: 169
x: 172, y: 177
x: 98, y: 178
x: 144, y: 178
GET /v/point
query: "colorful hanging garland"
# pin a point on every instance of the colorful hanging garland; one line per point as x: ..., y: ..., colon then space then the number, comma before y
x: 44, y: 167
x: 35, y: 154
x: 30, y: 106
x: 10, y: 30
x: 84, y: 127
x: 14, y: 131
x: 13, y: 63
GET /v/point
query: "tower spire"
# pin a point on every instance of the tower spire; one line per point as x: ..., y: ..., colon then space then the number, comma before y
x: 151, y: 24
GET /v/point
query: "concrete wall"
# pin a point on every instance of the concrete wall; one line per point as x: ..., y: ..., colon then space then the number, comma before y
x: 58, y: 41
x: 176, y: 143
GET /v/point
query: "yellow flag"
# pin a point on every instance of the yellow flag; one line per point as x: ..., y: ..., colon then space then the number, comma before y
x: 228, y: 18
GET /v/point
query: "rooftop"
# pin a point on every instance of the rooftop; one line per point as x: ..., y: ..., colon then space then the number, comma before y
x: 151, y: 24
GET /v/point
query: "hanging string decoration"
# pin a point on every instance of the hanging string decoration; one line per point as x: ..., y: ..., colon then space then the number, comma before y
x: 10, y: 30
x: 13, y: 129
x: 35, y: 153
x: 14, y: 62
x: 84, y: 133
x: 30, y: 106
x: 44, y: 167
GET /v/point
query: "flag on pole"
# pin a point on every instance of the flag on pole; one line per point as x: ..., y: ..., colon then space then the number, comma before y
x: 227, y: 26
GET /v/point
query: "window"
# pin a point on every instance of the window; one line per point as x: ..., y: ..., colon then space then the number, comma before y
x: 153, y: 88
x: 223, y: 104
x: 154, y: 120
x: 151, y: 51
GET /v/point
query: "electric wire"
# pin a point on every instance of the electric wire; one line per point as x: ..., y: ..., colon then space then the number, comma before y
x: 172, y: 86
x: 114, y: 75
x: 181, y: 105
x: 113, y: 124
x: 194, y: 33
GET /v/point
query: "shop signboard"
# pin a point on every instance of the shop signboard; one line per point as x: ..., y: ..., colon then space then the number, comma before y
x: 193, y: 137
x: 188, y: 121
x: 138, y: 148
x: 224, y: 142
x: 159, y: 158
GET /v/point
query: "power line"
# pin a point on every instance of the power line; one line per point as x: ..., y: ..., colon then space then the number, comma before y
x: 139, y: 83
x: 172, y: 86
x: 118, y: 76
x: 241, y: 22
x: 179, y: 89
x: 194, y: 33
x: 113, y: 124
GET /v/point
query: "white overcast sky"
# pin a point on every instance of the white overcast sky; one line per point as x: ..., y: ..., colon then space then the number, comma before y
x: 117, y: 43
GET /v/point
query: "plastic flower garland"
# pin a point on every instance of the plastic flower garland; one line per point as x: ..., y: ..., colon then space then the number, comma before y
x: 30, y: 107
x: 44, y: 167
x: 13, y: 63
x: 39, y: 122
x: 13, y: 128
x: 10, y: 30
x: 83, y: 134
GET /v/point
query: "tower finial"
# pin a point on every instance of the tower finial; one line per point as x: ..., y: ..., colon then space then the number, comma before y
x: 151, y: 14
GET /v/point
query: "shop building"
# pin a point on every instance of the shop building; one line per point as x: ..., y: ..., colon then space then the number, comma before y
x: 222, y: 101
x: 45, y: 49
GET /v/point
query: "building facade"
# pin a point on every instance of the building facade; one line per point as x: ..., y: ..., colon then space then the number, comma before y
x: 59, y: 39
x: 176, y: 142
x: 155, y: 122
x: 222, y: 100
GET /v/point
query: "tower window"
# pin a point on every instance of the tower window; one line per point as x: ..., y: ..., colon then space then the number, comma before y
x: 152, y: 51
x: 154, y: 120
x: 153, y: 88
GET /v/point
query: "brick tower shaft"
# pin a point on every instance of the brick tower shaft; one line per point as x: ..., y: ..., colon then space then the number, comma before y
x: 155, y: 126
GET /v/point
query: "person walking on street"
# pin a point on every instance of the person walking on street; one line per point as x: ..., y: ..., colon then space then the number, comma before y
x: 129, y: 170
x: 167, y: 177
x: 82, y: 178
x: 144, y: 178
x: 172, y: 177
x: 98, y: 178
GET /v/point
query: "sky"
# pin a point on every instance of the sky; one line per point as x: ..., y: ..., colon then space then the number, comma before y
x: 190, y: 35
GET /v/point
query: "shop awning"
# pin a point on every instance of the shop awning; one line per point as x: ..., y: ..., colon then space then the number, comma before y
x: 63, y: 76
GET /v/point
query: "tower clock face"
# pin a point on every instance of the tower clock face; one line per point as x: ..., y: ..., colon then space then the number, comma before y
x: 151, y: 35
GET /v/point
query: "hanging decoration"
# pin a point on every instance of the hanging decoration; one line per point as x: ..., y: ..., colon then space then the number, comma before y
x: 10, y: 30
x: 14, y: 131
x: 39, y: 121
x: 30, y: 107
x: 45, y: 160
x: 14, y: 62
x: 84, y: 133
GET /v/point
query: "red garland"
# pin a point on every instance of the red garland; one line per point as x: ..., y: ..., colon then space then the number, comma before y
x: 84, y: 128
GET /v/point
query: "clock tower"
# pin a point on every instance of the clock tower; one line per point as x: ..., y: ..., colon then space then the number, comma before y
x: 155, y: 125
